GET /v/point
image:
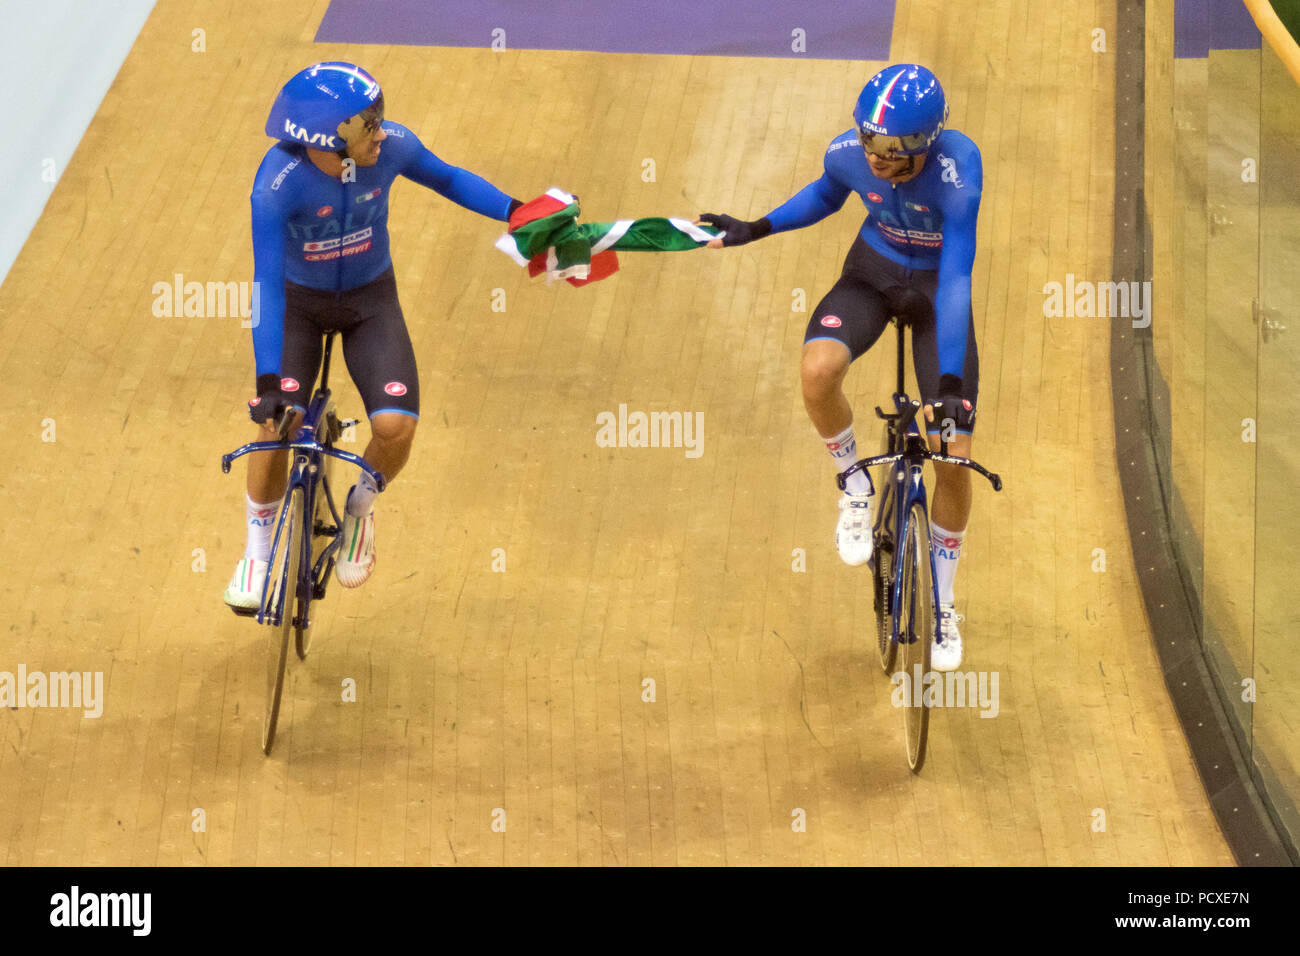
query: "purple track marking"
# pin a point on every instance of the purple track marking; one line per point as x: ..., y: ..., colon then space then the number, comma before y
x: 833, y: 29
x: 1204, y: 25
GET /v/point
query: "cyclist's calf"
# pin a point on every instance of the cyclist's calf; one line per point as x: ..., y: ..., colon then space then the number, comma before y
x: 952, y: 488
x: 268, y: 471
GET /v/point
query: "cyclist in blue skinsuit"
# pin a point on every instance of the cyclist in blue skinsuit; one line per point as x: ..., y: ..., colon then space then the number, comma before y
x: 321, y: 261
x: 920, y: 184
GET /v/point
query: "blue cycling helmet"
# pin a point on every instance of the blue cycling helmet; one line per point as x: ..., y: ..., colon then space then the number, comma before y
x: 326, y: 106
x: 901, y: 111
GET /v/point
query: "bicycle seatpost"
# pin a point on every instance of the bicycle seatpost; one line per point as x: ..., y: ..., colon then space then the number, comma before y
x: 902, y: 333
x: 325, y: 365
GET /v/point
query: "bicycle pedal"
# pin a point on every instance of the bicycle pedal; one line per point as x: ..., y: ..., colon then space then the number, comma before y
x: 244, y: 611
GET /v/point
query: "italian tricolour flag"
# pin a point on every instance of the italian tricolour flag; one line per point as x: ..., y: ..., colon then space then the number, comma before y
x: 545, y: 236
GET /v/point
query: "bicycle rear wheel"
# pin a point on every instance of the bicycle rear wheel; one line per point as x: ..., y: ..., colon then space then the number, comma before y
x: 280, y: 606
x: 916, y: 629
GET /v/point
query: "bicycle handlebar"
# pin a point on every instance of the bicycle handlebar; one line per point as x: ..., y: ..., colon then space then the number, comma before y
x: 924, y: 455
x: 308, y: 444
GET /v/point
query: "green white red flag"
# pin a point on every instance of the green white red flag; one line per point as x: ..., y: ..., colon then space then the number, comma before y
x: 545, y: 236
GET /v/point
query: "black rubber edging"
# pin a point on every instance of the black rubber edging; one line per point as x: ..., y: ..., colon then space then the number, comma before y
x: 1224, y: 770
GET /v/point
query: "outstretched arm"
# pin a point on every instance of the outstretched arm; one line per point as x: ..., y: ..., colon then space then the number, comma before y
x: 811, y: 204
x: 459, y: 185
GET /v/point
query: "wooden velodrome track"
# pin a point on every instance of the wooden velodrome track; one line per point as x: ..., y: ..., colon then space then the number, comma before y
x: 523, y: 690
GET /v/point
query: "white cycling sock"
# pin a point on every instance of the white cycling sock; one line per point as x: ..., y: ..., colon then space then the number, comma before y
x: 362, y: 496
x: 844, y: 449
x: 261, y: 527
x: 946, y: 547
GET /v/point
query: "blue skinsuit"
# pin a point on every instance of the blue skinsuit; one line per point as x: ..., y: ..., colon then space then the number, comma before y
x: 926, y: 223
x: 322, y: 233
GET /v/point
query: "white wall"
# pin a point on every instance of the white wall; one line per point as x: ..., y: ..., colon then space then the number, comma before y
x: 57, y: 60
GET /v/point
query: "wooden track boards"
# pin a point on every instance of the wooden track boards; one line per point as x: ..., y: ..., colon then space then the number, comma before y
x: 524, y: 690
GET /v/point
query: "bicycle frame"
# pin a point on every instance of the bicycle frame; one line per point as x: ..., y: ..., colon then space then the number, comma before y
x: 312, y: 443
x: 905, y: 485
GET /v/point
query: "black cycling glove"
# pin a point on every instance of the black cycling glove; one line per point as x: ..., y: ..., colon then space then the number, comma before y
x: 950, y: 406
x: 737, y: 232
x: 270, y: 400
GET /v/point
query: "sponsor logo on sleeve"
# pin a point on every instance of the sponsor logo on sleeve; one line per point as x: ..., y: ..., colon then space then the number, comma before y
x: 283, y: 173
x: 949, y: 174
x: 831, y: 321
x: 395, y: 388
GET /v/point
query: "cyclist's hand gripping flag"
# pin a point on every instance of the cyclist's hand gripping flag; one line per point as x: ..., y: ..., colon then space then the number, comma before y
x: 545, y: 236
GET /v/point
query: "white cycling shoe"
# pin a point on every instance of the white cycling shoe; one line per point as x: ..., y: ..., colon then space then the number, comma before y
x: 244, y: 593
x: 853, y: 530
x: 356, y: 555
x: 946, y: 655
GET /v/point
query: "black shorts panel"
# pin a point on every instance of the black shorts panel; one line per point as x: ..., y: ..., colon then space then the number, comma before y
x: 852, y: 312
x: 376, y: 345
x: 869, y: 291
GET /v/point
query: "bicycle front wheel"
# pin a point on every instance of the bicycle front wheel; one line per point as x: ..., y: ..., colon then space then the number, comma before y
x: 916, y: 629
x: 281, y: 591
x: 883, y: 598
x: 321, y: 532
x: 882, y: 568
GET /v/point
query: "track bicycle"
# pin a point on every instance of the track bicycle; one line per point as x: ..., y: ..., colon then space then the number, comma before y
x: 904, y: 591
x: 300, y: 563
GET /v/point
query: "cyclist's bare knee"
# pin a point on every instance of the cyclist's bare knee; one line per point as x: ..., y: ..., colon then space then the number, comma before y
x: 959, y: 446
x: 393, y: 428
x: 822, y: 370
